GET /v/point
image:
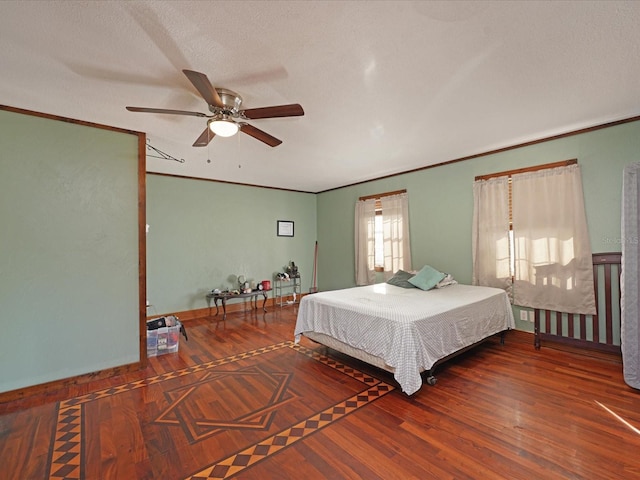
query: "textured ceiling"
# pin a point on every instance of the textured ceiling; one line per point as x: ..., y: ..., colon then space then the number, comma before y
x: 386, y: 86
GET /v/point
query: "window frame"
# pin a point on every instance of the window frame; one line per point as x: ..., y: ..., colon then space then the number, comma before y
x: 377, y: 197
x: 377, y: 238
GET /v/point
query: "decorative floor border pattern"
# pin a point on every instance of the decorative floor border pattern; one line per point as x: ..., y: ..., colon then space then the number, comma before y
x: 67, y: 451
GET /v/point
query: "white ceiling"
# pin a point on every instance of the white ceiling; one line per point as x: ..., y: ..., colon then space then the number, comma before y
x: 386, y: 86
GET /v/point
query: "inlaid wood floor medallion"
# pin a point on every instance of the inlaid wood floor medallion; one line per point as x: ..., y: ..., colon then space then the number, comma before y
x: 209, y: 421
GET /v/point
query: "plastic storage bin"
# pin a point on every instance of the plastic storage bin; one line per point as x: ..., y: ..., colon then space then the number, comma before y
x: 163, y: 335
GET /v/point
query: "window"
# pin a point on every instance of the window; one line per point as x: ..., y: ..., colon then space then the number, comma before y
x: 378, y: 242
x: 530, y: 237
x: 382, y: 236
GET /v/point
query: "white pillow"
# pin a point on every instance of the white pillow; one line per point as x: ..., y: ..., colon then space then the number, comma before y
x: 446, y: 281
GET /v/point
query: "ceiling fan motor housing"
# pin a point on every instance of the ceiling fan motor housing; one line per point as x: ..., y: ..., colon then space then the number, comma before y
x: 231, y: 101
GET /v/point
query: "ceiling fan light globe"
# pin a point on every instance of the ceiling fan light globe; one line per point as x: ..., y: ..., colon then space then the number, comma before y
x: 223, y: 128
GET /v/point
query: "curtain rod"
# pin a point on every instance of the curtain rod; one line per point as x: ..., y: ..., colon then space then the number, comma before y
x: 380, y: 195
x: 535, y: 168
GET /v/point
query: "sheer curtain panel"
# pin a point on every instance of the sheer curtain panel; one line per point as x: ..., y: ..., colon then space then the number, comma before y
x: 365, y: 230
x: 553, y: 262
x: 490, y: 237
x: 395, y: 232
x: 629, y: 289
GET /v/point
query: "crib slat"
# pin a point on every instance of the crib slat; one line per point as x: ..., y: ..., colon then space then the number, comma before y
x: 595, y: 321
x: 570, y: 322
x: 547, y: 317
x: 608, y: 304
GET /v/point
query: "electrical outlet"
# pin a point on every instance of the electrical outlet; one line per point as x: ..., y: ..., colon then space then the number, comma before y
x: 523, y: 315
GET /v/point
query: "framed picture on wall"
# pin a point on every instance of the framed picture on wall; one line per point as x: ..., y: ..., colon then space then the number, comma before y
x: 285, y: 228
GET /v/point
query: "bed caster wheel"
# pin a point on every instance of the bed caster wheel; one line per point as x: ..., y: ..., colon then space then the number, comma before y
x: 431, y: 380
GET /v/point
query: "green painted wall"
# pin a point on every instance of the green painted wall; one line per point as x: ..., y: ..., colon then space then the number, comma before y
x: 203, y: 234
x: 68, y: 250
x: 441, y: 203
x: 68, y: 256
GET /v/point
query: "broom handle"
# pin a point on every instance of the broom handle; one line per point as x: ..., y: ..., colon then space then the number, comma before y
x: 315, y: 263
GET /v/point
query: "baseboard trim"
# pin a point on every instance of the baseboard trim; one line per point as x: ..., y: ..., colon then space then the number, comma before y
x: 57, y: 385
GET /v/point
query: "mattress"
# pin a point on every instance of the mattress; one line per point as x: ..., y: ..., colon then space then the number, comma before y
x: 408, y: 329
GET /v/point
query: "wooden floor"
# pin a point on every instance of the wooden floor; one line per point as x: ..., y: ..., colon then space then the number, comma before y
x: 240, y: 400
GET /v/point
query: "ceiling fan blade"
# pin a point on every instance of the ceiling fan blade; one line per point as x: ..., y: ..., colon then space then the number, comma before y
x: 260, y: 135
x: 204, y: 138
x: 204, y: 86
x: 164, y: 110
x: 292, y: 110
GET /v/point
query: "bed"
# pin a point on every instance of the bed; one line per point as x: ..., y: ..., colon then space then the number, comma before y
x: 405, y: 331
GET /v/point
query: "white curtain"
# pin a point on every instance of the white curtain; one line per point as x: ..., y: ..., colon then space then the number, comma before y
x: 490, y: 240
x: 365, y: 230
x: 395, y: 232
x: 629, y: 288
x: 553, y: 262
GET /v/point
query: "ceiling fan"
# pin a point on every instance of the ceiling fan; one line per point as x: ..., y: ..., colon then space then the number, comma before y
x: 226, y: 118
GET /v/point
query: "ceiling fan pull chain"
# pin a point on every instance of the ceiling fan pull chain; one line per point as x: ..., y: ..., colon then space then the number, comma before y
x: 237, y: 149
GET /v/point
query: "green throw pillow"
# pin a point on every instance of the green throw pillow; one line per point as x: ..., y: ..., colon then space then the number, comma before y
x: 401, y: 279
x: 427, y: 278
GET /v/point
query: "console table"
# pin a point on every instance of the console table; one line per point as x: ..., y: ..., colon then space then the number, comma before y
x: 224, y: 296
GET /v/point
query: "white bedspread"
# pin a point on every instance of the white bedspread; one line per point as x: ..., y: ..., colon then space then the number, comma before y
x: 408, y: 328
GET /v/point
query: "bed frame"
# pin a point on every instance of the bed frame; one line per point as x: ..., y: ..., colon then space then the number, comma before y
x: 596, y: 332
x: 427, y: 375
